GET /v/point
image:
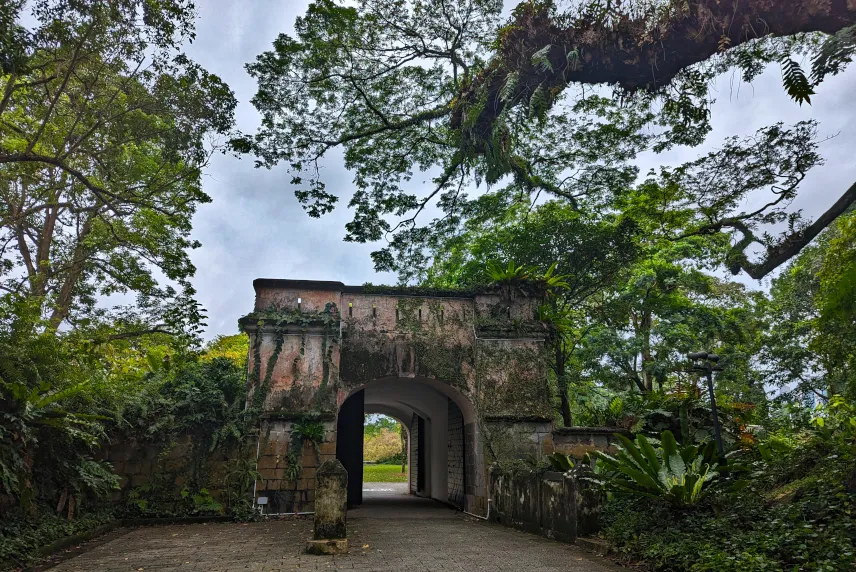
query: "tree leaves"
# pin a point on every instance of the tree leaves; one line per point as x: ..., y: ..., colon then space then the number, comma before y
x: 795, y: 81
x: 105, y: 131
x: 835, y: 53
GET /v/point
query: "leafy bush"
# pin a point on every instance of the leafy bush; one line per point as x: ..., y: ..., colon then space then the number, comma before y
x: 798, y: 513
x: 560, y: 462
x: 386, y: 445
x: 676, y: 474
x: 20, y: 538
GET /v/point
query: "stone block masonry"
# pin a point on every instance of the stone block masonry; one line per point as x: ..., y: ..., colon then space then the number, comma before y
x: 287, y: 489
x: 577, y: 441
x: 548, y: 504
x: 456, y: 462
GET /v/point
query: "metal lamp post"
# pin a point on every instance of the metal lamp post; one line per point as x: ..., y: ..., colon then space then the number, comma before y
x: 705, y: 362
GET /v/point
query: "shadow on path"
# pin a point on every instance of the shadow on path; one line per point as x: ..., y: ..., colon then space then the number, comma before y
x: 391, y: 501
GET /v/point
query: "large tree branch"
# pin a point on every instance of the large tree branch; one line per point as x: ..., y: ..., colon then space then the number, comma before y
x: 66, y: 292
x: 632, y: 51
x: 72, y: 64
x: 134, y: 334
x: 783, y: 251
x: 428, y: 115
x: 97, y: 190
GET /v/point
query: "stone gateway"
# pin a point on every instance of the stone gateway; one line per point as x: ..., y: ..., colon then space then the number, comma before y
x: 462, y: 370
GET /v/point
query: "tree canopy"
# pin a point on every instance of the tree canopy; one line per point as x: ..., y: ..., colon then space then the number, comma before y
x: 105, y: 127
x: 446, y: 89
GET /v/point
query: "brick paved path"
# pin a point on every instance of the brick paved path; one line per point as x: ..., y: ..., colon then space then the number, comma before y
x: 390, y: 535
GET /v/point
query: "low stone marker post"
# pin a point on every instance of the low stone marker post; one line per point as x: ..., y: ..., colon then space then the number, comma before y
x: 331, y: 504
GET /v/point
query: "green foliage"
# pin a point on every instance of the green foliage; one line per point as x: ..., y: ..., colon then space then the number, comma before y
x: 383, y: 440
x: 835, y: 422
x: 21, y: 538
x: 835, y: 53
x: 241, y: 477
x: 235, y: 347
x: 105, y: 128
x: 808, y: 345
x: 375, y: 424
x: 452, y: 91
x: 795, y: 514
x: 677, y: 474
x: 159, y: 499
x: 302, y: 432
x: 508, y: 273
x: 560, y: 462
x: 795, y: 81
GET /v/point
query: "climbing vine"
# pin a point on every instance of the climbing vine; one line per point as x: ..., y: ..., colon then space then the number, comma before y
x: 280, y: 320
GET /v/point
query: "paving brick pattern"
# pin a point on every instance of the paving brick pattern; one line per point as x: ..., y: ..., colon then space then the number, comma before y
x: 400, y: 535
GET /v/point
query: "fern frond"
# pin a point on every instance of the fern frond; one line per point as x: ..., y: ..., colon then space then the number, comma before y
x: 540, y: 59
x: 795, y: 81
x: 538, y: 103
x: 509, y: 86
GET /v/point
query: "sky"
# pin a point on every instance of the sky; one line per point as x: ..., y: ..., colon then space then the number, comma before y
x: 254, y: 228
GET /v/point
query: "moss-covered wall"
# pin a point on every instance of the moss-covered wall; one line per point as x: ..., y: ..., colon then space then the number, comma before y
x: 314, y: 343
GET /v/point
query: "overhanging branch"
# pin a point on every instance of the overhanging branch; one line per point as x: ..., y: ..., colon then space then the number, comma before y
x: 631, y: 51
x: 791, y: 246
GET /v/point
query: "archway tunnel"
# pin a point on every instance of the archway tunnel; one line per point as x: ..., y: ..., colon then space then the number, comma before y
x: 442, y: 445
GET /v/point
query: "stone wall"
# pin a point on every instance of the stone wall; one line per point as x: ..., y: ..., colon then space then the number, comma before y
x: 551, y: 504
x: 577, y: 441
x: 158, y: 473
x: 284, y: 495
x: 518, y: 438
x: 414, y: 454
x: 455, y: 465
x: 474, y: 478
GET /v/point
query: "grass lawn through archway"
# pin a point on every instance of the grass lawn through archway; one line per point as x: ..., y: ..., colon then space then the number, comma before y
x: 383, y: 474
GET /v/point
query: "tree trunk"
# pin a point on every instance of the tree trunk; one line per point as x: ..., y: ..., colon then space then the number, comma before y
x: 645, y: 332
x: 66, y: 293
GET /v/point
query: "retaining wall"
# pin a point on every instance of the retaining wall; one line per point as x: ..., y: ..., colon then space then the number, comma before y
x: 550, y: 504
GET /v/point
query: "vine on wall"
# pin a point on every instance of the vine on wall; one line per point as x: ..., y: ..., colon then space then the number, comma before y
x: 280, y: 320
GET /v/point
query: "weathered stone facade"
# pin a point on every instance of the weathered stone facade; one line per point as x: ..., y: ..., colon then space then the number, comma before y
x: 551, y: 504
x: 455, y: 445
x: 315, y: 343
x: 577, y: 441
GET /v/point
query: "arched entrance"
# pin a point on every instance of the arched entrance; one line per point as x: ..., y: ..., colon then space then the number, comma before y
x: 442, y: 459
x: 431, y: 358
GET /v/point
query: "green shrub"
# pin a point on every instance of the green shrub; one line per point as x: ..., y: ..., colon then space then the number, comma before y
x: 806, y: 524
x: 679, y: 475
x: 21, y: 538
x: 560, y: 462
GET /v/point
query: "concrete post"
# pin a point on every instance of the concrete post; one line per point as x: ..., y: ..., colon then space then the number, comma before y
x: 331, y: 503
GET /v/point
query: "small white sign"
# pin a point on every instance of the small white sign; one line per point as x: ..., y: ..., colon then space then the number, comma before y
x: 261, y: 500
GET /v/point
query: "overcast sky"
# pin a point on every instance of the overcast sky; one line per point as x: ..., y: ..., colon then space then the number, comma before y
x: 255, y: 228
